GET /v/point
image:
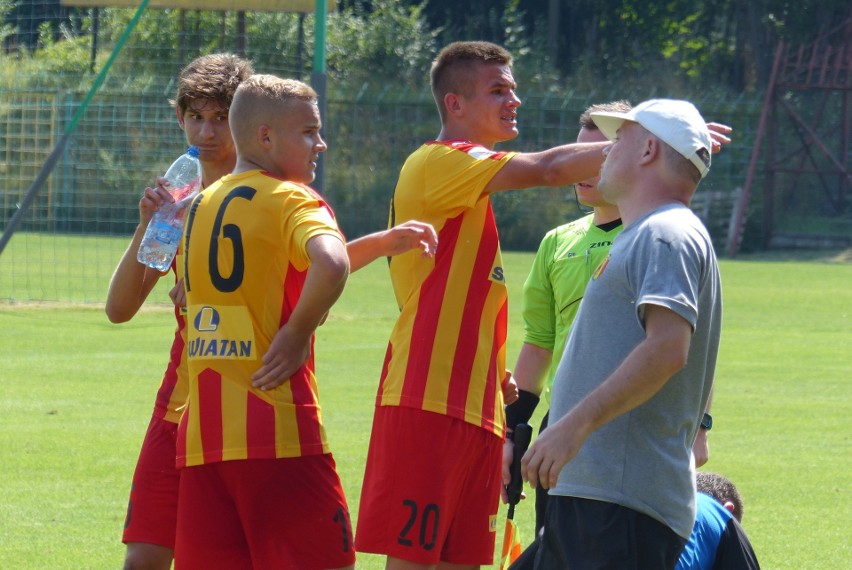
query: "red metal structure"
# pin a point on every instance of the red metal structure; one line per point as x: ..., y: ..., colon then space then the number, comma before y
x: 806, y: 126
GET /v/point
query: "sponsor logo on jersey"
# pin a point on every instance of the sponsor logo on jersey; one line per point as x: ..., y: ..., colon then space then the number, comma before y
x: 207, y: 320
x: 220, y: 332
x: 219, y: 348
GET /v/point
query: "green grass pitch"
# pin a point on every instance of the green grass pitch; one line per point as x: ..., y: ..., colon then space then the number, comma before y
x: 76, y: 395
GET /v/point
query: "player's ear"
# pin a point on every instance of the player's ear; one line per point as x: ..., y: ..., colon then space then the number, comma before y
x: 264, y: 135
x: 729, y: 505
x: 650, y: 149
x: 453, y: 103
x: 179, y: 115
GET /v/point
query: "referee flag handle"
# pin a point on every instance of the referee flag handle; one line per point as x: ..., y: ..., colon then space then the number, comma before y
x: 521, y: 436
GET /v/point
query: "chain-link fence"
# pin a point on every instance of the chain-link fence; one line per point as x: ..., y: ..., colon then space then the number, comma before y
x: 77, y: 228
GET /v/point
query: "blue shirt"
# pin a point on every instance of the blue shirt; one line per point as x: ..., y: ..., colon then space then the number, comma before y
x: 717, y: 540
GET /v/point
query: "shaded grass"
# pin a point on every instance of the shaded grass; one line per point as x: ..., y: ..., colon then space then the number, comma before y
x: 76, y: 394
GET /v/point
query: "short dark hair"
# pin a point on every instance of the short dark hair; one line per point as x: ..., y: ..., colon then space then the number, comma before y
x: 722, y: 489
x: 214, y: 77
x: 620, y: 106
x: 451, y: 68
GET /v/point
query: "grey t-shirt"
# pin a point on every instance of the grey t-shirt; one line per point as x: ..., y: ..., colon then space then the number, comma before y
x: 642, y: 459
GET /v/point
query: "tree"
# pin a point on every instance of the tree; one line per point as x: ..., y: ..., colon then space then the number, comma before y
x: 29, y: 18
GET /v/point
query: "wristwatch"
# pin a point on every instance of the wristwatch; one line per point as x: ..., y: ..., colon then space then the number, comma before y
x: 707, y: 421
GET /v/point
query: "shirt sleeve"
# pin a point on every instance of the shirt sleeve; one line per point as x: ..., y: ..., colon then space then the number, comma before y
x: 539, y: 312
x: 303, y: 217
x: 668, y: 274
x: 457, y: 177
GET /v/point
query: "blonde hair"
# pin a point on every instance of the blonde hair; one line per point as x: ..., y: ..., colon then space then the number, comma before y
x: 260, y: 98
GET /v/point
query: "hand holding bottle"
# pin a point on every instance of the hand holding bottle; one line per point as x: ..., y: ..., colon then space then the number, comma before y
x: 165, y: 228
x: 153, y: 198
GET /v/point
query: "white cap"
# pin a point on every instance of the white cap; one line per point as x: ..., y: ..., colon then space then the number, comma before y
x: 677, y: 123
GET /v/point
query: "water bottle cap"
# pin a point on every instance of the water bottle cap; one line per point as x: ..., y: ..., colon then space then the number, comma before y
x: 192, y: 151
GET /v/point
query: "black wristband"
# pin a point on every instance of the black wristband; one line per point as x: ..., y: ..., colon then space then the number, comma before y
x: 706, y: 421
x: 521, y: 410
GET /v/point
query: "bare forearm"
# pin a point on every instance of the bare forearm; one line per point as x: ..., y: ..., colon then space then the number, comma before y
x: 530, y: 375
x: 324, y: 282
x: 404, y: 237
x: 531, y: 368
x: 318, y: 296
x: 701, y: 446
x: 363, y: 251
x: 558, y: 166
x: 635, y: 381
x: 323, y: 285
x: 641, y: 375
x: 130, y: 283
x: 581, y: 163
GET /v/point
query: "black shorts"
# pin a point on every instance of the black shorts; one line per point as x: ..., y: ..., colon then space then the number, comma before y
x: 583, y: 534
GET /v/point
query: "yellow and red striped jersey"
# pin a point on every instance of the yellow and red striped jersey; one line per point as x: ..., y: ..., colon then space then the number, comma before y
x: 246, y: 262
x: 171, y: 395
x: 447, y: 350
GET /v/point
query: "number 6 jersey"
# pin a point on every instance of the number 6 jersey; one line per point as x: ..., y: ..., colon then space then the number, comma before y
x: 246, y: 264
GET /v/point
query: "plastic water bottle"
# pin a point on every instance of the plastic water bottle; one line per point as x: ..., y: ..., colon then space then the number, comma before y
x: 160, y: 242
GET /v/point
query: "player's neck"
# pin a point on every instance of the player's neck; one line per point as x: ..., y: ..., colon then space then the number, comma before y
x: 605, y: 214
x: 213, y: 171
x: 455, y: 131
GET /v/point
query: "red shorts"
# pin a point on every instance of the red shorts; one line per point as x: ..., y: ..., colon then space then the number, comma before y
x: 431, y: 489
x: 152, y: 510
x: 263, y: 513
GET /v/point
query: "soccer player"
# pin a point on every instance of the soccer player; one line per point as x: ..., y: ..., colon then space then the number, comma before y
x: 205, y: 89
x: 265, y: 261
x: 432, y: 482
